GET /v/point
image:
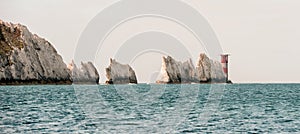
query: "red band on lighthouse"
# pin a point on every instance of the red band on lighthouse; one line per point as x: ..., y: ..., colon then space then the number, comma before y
x: 224, y: 62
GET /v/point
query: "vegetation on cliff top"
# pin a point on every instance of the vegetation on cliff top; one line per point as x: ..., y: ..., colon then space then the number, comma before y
x: 9, y: 39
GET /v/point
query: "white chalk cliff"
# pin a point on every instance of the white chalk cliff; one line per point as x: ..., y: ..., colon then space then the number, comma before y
x: 86, y: 74
x: 118, y: 73
x: 26, y: 58
x: 206, y: 71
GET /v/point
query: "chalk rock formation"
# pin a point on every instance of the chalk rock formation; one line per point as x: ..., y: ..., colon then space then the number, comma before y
x: 118, y: 73
x: 26, y: 58
x: 173, y: 71
x: 86, y: 74
x: 208, y: 70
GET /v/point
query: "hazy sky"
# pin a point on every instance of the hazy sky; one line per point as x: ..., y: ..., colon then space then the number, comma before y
x: 263, y: 36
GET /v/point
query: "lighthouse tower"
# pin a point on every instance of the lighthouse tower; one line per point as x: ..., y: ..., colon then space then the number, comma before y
x: 224, y: 62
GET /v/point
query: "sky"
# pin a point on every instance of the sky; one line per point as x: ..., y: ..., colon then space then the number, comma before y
x: 263, y: 37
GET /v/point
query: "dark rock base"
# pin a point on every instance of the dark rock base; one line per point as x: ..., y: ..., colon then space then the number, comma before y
x: 35, y: 82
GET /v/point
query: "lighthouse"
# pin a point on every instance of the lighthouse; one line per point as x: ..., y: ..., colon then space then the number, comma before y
x: 224, y: 62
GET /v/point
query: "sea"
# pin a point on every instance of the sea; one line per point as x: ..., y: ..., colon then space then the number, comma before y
x: 150, y: 108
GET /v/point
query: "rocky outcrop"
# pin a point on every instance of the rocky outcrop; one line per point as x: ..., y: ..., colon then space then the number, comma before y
x: 86, y: 74
x: 26, y: 58
x: 118, y: 73
x: 206, y: 71
x: 173, y: 71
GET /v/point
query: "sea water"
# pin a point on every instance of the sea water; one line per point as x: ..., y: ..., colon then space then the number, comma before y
x: 151, y: 108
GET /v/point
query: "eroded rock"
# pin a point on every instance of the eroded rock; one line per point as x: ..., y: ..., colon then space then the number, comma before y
x: 173, y: 71
x: 206, y: 71
x: 26, y: 58
x: 86, y: 74
x: 118, y: 73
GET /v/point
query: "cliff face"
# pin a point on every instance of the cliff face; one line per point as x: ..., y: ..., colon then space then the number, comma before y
x: 118, y: 73
x: 86, y: 74
x: 173, y: 71
x: 25, y: 58
x: 206, y: 71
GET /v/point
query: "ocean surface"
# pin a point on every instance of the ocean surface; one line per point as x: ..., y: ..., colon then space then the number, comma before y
x: 144, y: 108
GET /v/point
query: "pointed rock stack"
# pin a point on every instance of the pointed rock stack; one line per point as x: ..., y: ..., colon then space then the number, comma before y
x: 206, y: 71
x: 209, y: 71
x: 86, y: 74
x: 173, y: 71
x: 118, y: 73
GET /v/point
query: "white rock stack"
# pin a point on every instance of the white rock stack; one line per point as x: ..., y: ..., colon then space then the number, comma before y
x: 206, y: 71
x: 209, y: 71
x: 118, y: 73
x: 86, y: 74
x: 173, y: 71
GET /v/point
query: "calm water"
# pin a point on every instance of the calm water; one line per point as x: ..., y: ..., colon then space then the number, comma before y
x: 249, y: 108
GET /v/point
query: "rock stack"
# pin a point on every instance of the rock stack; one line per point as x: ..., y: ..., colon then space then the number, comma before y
x: 206, y: 71
x: 86, y: 74
x: 118, y: 73
x: 209, y: 71
x: 173, y: 71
